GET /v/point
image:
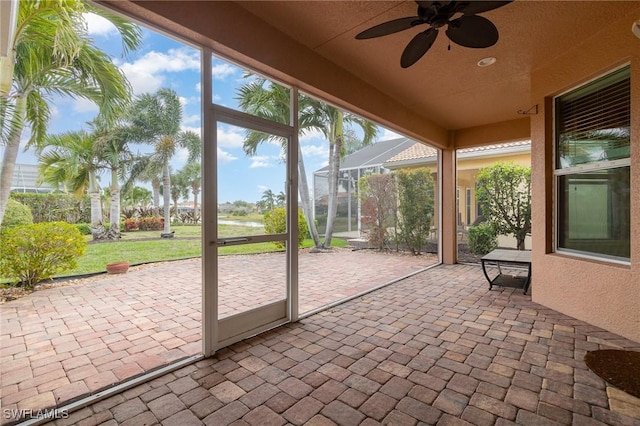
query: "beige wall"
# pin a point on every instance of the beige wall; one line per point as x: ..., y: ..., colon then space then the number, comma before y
x: 600, y: 293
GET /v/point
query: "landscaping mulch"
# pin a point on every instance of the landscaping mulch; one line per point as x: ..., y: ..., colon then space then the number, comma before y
x: 619, y: 368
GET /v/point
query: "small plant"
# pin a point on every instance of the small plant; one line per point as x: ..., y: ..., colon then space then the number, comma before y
x: 17, y: 214
x: 274, y: 223
x: 482, y: 239
x: 84, y: 228
x: 131, y: 224
x: 151, y: 223
x: 32, y: 253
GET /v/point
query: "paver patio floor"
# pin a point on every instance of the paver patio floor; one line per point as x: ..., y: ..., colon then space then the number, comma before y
x: 435, y: 348
x: 64, y: 342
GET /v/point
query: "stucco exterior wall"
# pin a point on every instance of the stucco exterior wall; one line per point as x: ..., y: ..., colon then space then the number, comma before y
x: 601, y: 293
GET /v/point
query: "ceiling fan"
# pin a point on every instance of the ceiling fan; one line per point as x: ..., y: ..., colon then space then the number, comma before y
x: 468, y: 29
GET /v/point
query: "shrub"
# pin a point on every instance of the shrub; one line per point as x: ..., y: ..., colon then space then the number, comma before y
x: 17, y: 214
x: 274, y: 223
x: 482, y: 239
x: 378, y: 197
x: 84, y: 228
x: 149, y: 223
x: 131, y: 224
x: 32, y: 253
x: 415, y: 212
x: 56, y: 207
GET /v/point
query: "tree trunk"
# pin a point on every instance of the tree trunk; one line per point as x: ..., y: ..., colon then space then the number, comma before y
x: 155, y: 187
x: 114, y: 212
x: 11, y: 155
x: 195, y: 202
x: 166, y: 199
x: 335, y: 152
x: 303, y: 189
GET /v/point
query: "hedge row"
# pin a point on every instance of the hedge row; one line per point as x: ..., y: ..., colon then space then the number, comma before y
x: 56, y: 207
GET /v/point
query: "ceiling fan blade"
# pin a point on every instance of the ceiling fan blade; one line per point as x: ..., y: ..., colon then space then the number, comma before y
x: 417, y: 47
x: 474, y: 7
x: 472, y: 31
x: 389, y: 27
x: 424, y: 3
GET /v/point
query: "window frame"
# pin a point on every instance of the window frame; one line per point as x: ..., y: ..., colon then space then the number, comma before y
x: 559, y: 171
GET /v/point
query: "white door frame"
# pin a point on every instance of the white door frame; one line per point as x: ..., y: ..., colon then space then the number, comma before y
x: 218, y: 333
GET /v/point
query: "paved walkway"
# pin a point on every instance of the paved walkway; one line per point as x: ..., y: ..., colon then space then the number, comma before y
x: 64, y: 342
x: 435, y: 348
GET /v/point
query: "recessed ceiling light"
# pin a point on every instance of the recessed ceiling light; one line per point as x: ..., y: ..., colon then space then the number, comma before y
x: 485, y: 62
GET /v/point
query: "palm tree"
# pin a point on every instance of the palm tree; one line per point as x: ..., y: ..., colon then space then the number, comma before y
x: 271, y: 101
x: 111, y: 146
x: 192, y: 174
x: 268, y: 199
x: 178, y: 188
x: 54, y: 54
x: 155, y: 120
x: 70, y: 158
x: 331, y: 122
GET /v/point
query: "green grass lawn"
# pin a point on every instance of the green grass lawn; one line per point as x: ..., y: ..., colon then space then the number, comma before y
x: 147, y: 247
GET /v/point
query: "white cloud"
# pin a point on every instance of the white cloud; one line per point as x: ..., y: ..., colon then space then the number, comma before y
x: 261, y: 161
x: 190, y: 119
x: 225, y: 157
x: 315, y: 151
x: 84, y: 105
x: 199, y: 87
x: 221, y: 71
x: 97, y: 25
x: 311, y: 135
x: 147, y: 73
x: 262, y: 188
x: 389, y: 134
x: 229, y: 138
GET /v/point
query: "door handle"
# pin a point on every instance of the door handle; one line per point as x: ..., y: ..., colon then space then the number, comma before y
x: 233, y: 240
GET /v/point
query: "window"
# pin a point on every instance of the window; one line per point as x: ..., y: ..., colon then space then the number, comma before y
x: 592, y: 168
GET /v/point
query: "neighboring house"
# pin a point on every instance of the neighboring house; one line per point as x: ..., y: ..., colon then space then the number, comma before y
x: 469, y: 163
x: 361, y: 163
x: 383, y: 157
x: 25, y: 179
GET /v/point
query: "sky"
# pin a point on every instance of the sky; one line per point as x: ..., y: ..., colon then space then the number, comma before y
x: 162, y: 62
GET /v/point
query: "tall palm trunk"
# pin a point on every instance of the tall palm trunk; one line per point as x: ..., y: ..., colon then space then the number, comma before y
x: 166, y: 199
x: 195, y: 192
x: 114, y: 212
x: 155, y: 187
x: 97, y: 228
x: 335, y: 153
x: 303, y: 189
x: 11, y: 154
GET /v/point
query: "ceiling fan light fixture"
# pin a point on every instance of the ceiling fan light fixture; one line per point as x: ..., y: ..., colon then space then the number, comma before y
x: 485, y: 62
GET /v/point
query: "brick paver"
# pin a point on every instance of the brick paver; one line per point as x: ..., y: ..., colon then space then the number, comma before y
x: 60, y: 343
x: 437, y: 348
x: 531, y: 373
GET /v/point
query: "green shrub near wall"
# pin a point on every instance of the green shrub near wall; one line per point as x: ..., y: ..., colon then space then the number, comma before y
x: 16, y: 214
x: 56, y: 207
x: 482, y: 239
x: 274, y: 223
x: 32, y: 253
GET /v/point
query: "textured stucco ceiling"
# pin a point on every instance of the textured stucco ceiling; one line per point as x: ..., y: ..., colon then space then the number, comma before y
x: 446, y: 87
x: 447, y: 84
